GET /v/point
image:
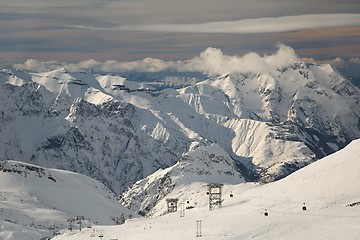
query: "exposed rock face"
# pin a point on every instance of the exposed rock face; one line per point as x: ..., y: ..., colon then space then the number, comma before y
x: 119, y: 131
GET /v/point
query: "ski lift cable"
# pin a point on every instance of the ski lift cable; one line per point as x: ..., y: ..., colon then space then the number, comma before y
x: 295, y: 202
x: 302, y: 213
x: 283, y: 201
x: 314, y: 215
x: 289, y: 201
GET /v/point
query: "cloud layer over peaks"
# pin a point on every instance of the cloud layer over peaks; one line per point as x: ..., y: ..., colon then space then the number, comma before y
x: 212, y: 62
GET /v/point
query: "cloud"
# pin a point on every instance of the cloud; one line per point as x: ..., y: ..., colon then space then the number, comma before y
x: 355, y: 60
x: 256, y: 25
x: 214, y: 62
x: 146, y: 65
x: 38, y: 66
x: 335, y: 62
x: 211, y: 61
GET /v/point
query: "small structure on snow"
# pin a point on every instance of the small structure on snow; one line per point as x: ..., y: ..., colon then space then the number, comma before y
x: 172, y: 204
x: 215, y: 195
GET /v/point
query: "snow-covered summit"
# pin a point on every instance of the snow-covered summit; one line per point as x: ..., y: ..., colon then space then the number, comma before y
x: 120, y: 131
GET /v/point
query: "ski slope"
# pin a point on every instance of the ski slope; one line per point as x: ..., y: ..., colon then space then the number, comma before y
x: 329, y: 188
x: 36, y: 202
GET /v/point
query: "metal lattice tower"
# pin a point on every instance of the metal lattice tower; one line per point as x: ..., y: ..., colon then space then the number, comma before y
x: 215, y: 196
x: 172, y: 204
x: 79, y: 219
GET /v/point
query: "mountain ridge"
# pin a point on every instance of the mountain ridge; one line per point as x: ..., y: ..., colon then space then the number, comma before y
x: 119, y: 131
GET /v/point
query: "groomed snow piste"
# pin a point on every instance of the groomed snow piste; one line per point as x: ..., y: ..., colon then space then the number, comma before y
x: 329, y: 188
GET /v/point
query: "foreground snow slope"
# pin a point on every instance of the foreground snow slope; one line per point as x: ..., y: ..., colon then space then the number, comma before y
x: 36, y: 201
x: 329, y: 188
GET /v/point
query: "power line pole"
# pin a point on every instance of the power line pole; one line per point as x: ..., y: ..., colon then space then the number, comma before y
x: 198, y: 228
x: 182, y: 209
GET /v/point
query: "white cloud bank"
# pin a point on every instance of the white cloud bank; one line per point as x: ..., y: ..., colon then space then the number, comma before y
x: 257, y: 25
x: 212, y: 62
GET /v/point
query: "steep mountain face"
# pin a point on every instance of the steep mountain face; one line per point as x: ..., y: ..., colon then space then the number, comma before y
x: 61, y: 130
x: 312, y: 106
x: 119, y: 131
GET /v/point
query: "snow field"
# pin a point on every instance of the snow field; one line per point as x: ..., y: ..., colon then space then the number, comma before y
x: 327, y: 187
x: 40, y: 201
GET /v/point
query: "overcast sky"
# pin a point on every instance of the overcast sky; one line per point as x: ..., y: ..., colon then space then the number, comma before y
x: 125, y: 30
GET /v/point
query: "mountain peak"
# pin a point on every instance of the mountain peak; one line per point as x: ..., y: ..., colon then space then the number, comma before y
x: 270, y: 123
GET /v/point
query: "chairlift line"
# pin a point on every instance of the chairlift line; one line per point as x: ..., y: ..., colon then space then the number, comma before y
x: 290, y: 201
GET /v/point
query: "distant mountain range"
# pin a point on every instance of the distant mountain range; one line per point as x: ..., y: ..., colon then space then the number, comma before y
x: 120, y: 131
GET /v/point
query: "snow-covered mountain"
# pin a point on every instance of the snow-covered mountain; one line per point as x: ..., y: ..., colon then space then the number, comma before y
x: 119, y: 131
x: 327, y: 189
x: 198, y: 167
x: 35, y: 202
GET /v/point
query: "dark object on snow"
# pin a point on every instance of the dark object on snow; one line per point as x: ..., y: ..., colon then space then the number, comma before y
x: 51, y: 178
x: 353, y: 204
x: 304, y: 207
x: 266, y: 213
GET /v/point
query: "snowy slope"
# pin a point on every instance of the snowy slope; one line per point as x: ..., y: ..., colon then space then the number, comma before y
x: 198, y: 167
x: 36, y: 201
x: 328, y: 188
x: 118, y: 131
